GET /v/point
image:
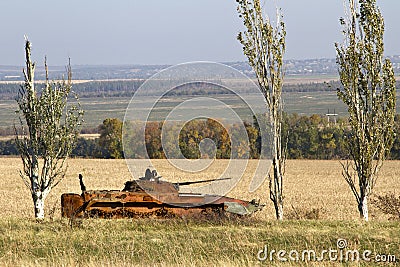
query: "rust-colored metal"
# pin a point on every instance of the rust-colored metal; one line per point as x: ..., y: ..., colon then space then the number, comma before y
x: 150, y: 198
x: 69, y: 204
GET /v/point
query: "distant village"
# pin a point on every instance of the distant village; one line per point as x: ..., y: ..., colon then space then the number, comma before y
x: 103, y: 72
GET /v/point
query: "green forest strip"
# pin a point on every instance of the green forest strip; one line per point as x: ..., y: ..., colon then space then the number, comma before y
x: 308, y: 137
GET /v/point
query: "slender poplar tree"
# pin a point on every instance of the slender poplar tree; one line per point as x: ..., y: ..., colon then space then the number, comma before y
x: 264, y: 46
x: 48, y: 132
x: 369, y: 91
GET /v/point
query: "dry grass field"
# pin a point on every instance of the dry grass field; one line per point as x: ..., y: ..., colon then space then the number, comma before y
x: 309, y: 185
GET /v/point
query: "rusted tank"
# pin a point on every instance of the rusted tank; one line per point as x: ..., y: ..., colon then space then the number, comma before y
x: 151, y: 197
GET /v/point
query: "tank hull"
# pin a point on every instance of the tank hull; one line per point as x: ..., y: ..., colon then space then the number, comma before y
x: 120, y: 204
x: 144, y: 198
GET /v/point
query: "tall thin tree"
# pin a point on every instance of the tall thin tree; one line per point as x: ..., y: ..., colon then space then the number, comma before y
x: 52, y: 129
x: 264, y: 46
x: 368, y: 89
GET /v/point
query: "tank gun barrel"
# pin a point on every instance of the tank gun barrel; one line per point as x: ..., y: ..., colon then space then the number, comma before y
x: 202, y: 181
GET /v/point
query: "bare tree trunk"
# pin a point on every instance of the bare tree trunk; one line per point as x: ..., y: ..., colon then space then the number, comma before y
x: 276, y: 182
x: 278, y: 204
x: 363, y: 208
x: 38, y: 202
x: 276, y: 187
x: 279, y: 211
x: 38, y: 194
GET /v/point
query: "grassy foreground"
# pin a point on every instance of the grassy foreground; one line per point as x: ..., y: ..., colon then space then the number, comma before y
x: 185, y: 243
x: 315, y: 188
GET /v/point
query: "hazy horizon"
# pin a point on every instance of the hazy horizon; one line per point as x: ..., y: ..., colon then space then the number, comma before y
x: 157, y: 32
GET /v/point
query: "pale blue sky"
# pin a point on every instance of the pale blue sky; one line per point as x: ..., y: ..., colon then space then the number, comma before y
x: 165, y: 31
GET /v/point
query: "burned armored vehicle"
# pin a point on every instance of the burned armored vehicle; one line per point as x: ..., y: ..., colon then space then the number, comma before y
x: 151, y: 197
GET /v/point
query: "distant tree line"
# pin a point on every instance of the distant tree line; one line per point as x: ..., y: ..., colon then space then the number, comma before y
x: 126, y: 88
x: 308, y: 137
x: 117, y: 88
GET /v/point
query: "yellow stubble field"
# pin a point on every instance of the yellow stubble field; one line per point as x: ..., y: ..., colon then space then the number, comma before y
x: 308, y: 185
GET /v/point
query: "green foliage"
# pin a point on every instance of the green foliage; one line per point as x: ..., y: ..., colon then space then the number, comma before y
x: 87, y: 148
x: 153, y: 140
x: 308, y: 137
x: 111, y: 138
x: 8, y: 147
x: 369, y: 91
x: 395, y: 150
x: 196, y: 131
x: 313, y: 137
x: 125, y: 89
x: 52, y: 125
x: 189, y: 140
x: 264, y: 46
